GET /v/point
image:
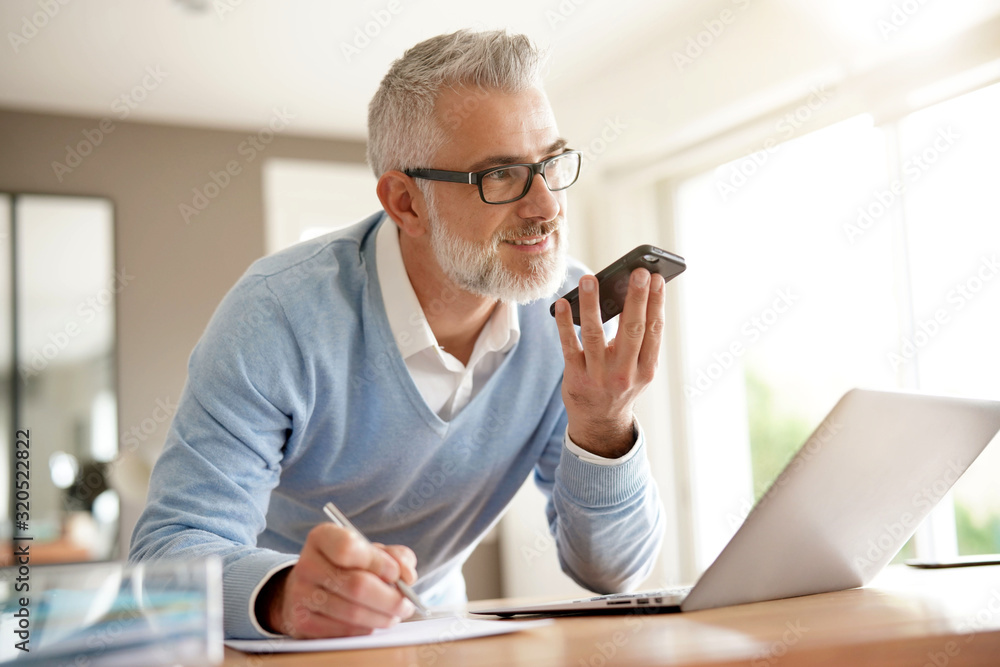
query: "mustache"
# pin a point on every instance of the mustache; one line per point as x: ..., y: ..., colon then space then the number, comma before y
x: 528, y: 230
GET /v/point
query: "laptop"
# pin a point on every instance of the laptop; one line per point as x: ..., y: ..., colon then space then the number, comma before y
x: 841, y: 509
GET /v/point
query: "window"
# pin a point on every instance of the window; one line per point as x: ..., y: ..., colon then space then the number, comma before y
x: 858, y: 255
x: 58, y: 312
x: 950, y: 154
x: 306, y: 198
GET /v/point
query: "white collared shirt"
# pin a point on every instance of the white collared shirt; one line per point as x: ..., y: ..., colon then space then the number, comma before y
x: 446, y: 384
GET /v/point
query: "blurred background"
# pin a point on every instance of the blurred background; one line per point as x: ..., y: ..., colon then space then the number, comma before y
x: 828, y: 170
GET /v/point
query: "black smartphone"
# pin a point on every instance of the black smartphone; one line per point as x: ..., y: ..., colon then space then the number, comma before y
x: 613, y: 280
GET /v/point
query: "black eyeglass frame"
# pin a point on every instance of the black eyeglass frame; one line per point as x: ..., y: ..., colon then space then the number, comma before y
x: 476, y: 177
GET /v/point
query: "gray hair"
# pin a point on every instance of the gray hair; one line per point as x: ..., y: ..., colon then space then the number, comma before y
x: 403, y: 132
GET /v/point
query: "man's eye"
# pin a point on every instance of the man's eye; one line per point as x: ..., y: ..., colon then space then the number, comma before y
x: 499, y: 175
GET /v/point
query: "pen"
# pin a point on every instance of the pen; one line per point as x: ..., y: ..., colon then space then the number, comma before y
x: 341, y: 520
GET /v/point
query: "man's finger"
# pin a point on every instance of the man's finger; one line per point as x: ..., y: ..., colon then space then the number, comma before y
x: 321, y: 598
x: 316, y: 625
x: 650, y: 352
x: 322, y: 581
x: 567, y: 331
x: 343, y: 549
x: 340, y: 609
x: 406, y: 559
x: 343, y: 602
x: 632, y: 322
x: 591, y: 332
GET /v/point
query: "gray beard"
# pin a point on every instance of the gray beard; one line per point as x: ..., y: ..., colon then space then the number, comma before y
x: 478, y: 268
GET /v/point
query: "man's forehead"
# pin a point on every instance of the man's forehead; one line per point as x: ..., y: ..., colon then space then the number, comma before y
x: 493, y: 127
x: 494, y: 156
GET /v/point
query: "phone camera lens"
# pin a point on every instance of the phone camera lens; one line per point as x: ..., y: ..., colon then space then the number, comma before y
x: 652, y: 259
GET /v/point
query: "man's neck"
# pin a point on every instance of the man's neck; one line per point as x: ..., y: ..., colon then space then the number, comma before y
x: 454, y: 315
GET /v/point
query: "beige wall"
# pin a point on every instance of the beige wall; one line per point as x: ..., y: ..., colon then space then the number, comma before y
x: 181, y: 271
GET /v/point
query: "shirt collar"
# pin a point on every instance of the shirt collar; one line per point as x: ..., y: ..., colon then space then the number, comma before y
x: 407, y: 322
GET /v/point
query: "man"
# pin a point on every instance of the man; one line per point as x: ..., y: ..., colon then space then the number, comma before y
x: 407, y: 369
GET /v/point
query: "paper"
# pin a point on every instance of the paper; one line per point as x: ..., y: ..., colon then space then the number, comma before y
x: 430, y: 631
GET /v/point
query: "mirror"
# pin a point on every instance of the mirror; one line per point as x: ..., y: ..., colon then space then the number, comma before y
x: 57, y: 313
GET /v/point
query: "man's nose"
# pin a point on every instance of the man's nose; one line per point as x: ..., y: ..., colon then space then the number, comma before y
x: 540, y: 202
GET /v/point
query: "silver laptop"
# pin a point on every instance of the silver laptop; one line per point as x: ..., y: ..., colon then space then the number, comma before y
x: 844, y: 505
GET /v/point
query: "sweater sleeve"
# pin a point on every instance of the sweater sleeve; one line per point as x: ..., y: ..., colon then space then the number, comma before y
x: 607, y: 520
x: 210, y: 487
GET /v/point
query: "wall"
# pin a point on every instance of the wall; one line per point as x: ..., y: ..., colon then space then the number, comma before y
x: 180, y: 270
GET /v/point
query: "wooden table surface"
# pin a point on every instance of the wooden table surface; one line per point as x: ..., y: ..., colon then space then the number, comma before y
x: 941, y: 618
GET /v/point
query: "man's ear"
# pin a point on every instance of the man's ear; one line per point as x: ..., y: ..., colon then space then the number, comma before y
x: 403, y: 201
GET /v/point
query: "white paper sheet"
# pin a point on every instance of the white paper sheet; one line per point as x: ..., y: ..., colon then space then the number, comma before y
x: 430, y: 631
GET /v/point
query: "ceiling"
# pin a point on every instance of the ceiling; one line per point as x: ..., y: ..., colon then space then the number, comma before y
x: 230, y: 63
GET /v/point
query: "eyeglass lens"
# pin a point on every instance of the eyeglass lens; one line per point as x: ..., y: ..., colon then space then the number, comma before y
x: 511, y: 182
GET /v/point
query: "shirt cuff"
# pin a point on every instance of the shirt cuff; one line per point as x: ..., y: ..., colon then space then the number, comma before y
x: 253, y: 599
x: 582, y: 454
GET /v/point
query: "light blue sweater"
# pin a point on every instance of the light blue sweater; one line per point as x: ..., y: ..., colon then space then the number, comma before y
x: 297, y: 395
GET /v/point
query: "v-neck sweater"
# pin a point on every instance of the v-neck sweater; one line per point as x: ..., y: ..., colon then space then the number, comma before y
x: 297, y: 395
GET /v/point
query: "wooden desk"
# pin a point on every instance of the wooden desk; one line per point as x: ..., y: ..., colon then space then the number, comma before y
x: 941, y: 618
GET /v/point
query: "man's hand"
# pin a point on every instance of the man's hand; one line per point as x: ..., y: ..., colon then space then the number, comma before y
x: 602, y: 380
x: 340, y: 587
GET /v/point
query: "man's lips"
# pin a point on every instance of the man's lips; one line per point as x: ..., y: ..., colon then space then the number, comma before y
x: 535, y: 243
x: 530, y: 235
x: 529, y: 240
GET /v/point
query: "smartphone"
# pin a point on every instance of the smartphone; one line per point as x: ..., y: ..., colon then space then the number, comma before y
x: 613, y: 280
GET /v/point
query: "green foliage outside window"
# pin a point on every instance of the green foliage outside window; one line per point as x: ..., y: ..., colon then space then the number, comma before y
x: 777, y: 432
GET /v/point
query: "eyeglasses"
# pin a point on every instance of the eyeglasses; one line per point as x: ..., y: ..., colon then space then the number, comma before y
x: 510, y: 182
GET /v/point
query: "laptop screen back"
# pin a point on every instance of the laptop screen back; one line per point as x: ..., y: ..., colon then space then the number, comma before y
x: 850, y: 498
